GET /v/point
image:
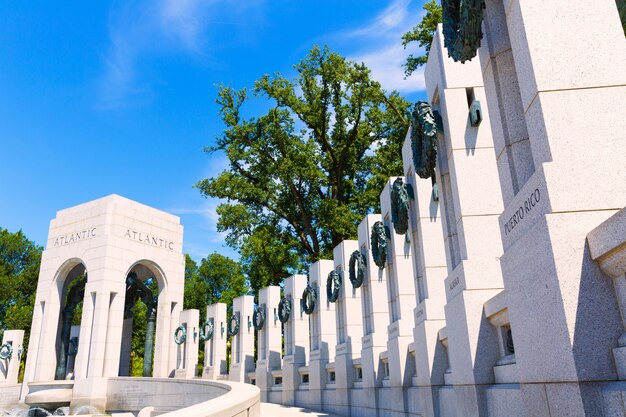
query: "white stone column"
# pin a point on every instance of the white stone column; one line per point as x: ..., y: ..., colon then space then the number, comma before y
x: 375, y: 308
x: 349, y: 328
x: 401, y: 293
x: 567, y: 59
x: 115, y: 327
x: 90, y: 385
x: 10, y: 367
x: 296, y: 331
x: 323, y: 332
x: 188, y: 350
x: 215, y: 348
x: 430, y: 271
x: 471, y: 201
x: 269, y: 338
x: 43, y: 364
x: 242, y: 344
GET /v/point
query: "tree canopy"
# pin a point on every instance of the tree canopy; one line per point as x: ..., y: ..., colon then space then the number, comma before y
x: 422, y: 33
x: 19, y: 271
x: 217, y: 279
x: 304, y: 173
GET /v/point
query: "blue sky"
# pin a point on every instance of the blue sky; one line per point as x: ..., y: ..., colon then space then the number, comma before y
x: 119, y: 97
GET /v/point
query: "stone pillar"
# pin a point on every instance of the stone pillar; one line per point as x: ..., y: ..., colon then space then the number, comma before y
x: 242, y: 344
x: 323, y: 332
x: 296, y: 338
x: 401, y: 295
x: 90, y: 384
x: 556, y: 190
x: 10, y: 366
x: 375, y: 307
x: 269, y: 338
x: 430, y: 271
x: 349, y: 328
x: 471, y: 201
x: 215, y: 348
x: 607, y: 247
x: 115, y: 328
x: 187, y: 363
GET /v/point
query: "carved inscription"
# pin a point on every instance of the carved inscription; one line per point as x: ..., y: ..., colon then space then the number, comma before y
x: 74, y: 237
x: 130, y: 397
x: 531, y: 201
x: 149, y: 239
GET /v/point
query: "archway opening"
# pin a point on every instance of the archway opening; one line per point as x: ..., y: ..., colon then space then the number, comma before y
x: 143, y: 286
x: 72, y: 293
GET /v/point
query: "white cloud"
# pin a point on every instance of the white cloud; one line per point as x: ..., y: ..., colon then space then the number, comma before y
x: 378, y: 44
x: 386, y: 66
x: 139, y: 29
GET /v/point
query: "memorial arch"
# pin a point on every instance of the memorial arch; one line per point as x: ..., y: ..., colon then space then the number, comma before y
x: 114, y: 247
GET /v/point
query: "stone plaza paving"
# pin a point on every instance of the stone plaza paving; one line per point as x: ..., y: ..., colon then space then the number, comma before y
x: 492, y: 282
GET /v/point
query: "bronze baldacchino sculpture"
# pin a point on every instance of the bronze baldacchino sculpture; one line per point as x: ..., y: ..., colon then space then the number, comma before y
x: 136, y: 289
x: 74, y: 297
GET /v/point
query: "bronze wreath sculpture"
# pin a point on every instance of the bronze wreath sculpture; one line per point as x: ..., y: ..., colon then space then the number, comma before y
x: 356, y: 276
x: 462, y: 32
x: 284, y: 310
x: 333, y: 286
x: 378, y: 241
x: 309, y: 297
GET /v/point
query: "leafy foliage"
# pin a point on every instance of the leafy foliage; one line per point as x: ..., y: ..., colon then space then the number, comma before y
x: 302, y: 175
x: 217, y: 279
x: 19, y: 270
x: 422, y: 33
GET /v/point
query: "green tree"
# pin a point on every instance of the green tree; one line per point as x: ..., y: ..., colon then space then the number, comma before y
x: 217, y: 279
x: 20, y: 259
x: 302, y: 175
x: 423, y: 34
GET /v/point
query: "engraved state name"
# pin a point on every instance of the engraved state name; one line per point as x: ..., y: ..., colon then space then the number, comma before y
x: 531, y: 201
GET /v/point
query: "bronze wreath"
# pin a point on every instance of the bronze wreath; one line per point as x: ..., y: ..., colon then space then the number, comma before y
x: 462, y: 32
x: 284, y: 310
x: 356, y: 276
x: 378, y: 241
x: 309, y: 297
x: 258, y: 318
x: 333, y: 286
